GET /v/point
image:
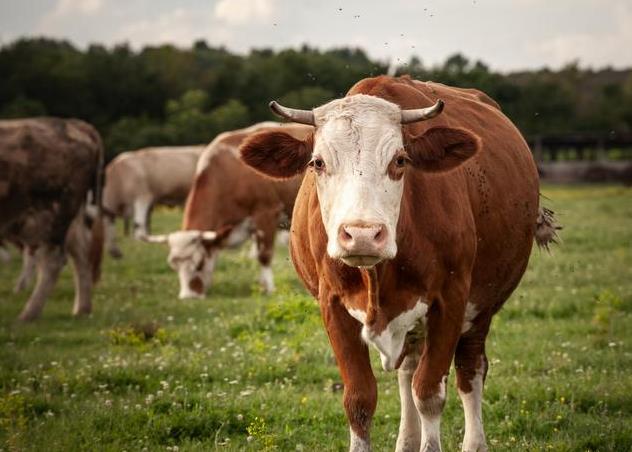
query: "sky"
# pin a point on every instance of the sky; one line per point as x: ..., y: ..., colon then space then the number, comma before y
x: 508, y: 35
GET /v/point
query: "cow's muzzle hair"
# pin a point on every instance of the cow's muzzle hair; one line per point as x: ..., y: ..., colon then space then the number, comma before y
x: 307, y: 116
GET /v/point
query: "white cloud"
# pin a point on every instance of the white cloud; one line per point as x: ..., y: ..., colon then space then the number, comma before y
x: 240, y: 12
x: 179, y: 27
x: 84, y: 7
x: 596, y: 49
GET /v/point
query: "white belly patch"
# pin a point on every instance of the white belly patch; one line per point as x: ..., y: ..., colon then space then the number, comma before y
x: 390, y: 342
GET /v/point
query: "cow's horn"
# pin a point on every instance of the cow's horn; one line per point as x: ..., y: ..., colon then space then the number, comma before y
x: 161, y: 238
x: 421, y: 114
x: 208, y: 235
x: 293, y: 114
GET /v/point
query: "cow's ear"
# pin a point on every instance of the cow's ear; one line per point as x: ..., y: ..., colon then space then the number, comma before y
x: 442, y: 148
x: 277, y: 154
x: 212, y: 239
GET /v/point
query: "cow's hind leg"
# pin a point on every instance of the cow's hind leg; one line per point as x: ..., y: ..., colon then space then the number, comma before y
x: 409, y: 437
x: 266, y: 226
x: 142, y: 207
x: 471, y: 368
x: 50, y: 260
x: 28, y: 269
x: 78, y: 246
x: 111, y: 244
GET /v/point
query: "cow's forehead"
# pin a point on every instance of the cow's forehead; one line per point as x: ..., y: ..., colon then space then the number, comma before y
x: 361, y: 110
x: 181, y: 239
x: 357, y: 123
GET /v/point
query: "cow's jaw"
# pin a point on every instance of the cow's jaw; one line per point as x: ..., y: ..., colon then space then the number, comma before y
x: 357, y: 138
x: 391, y: 341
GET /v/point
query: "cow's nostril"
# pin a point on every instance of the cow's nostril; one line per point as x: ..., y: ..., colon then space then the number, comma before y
x: 378, y: 236
x: 345, y: 235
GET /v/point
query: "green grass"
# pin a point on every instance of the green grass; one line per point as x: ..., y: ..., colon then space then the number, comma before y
x: 242, y: 371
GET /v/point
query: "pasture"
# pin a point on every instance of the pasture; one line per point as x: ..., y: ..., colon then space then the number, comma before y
x: 243, y: 371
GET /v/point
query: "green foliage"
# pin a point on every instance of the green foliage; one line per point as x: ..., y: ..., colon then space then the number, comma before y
x: 241, y: 371
x: 165, y: 95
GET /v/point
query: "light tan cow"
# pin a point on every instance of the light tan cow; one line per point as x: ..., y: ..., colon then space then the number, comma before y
x: 135, y: 181
x: 228, y: 203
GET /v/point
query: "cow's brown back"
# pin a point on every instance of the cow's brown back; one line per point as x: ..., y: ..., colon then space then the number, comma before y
x: 226, y: 191
x: 47, y: 165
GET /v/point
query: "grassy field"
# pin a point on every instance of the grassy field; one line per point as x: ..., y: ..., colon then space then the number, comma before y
x: 243, y: 371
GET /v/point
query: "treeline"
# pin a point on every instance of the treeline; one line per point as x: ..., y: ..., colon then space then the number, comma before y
x: 168, y: 96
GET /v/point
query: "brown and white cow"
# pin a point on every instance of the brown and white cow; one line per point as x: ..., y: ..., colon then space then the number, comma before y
x: 135, y: 181
x: 228, y: 203
x: 47, y: 168
x: 411, y: 235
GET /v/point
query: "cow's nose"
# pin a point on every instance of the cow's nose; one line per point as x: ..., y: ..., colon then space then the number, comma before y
x: 362, y: 239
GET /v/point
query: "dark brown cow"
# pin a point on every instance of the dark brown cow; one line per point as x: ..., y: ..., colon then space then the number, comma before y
x: 411, y: 235
x: 47, y: 168
x: 228, y: 203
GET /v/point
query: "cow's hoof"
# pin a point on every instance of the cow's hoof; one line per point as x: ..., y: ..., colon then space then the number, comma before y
x: 27, y: 316
x: 116, y: 253
x: 82, y: 311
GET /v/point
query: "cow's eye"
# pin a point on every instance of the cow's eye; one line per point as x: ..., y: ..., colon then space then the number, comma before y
x: 400, y: 161
x: 318, y: 164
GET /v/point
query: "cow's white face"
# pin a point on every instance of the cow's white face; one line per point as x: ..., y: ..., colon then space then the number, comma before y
x: 189, y: 257
x: 358, y: 158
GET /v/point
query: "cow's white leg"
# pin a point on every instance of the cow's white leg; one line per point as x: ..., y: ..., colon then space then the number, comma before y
x: 109, y: 225
x: 267, y: 279
x: 141, y: 213
x: 470, y: 362
x: 266, y: 225
x: 50, y: 260
x: 409, y: 437
x: 474, y: 438
x: 78, y: 246
x: 357, y: 443
x: 430, y: 409
x: 283, y: 237
x: 28, y: 270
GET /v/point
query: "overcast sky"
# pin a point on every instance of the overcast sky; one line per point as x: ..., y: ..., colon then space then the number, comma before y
x: 506, y: 34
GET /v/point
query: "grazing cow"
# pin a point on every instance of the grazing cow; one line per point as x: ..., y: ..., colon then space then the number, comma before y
x: 137, y: 180
x: 228, y: 203
x: 47, y: 168
x: 411, y: 235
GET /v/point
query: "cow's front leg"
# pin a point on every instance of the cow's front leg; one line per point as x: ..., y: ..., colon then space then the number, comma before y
x: 409, y: 437
x: 352, y: 356
x: 445, y: 318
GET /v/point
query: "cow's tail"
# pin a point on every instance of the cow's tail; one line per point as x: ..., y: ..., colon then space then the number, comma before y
x: 98, y: 232
x: 546, y: 228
